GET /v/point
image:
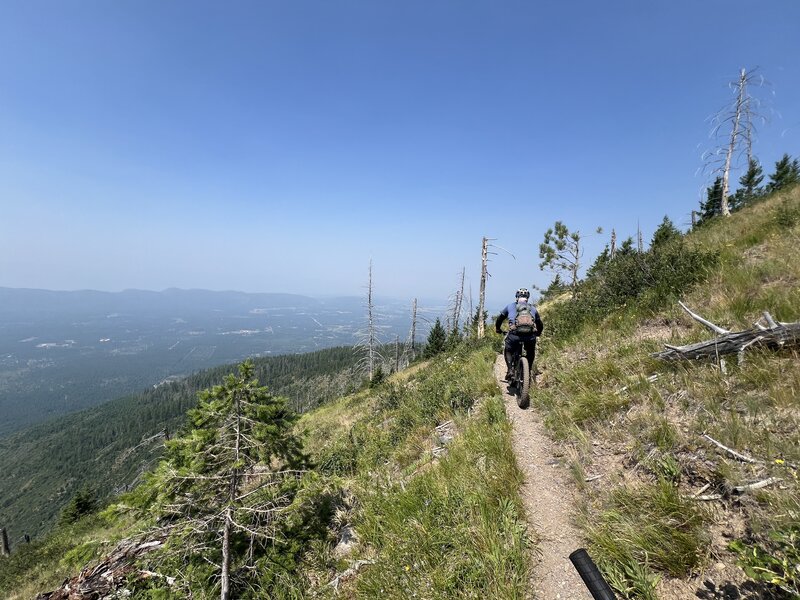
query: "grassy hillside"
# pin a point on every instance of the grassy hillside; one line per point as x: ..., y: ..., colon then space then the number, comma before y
x: 643, y: 435
x: 429, y: 460
x: 420, y: 467
x: 414, y: 487
x: 107, y: 447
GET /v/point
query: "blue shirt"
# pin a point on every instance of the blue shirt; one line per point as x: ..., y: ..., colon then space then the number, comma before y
x: 510, y: 313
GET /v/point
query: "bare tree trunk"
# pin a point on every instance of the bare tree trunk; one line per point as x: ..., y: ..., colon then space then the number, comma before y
x: 458, y: 301
x: 482, y: 293
x: 694, y: 218
x: 732, y: 146
x: 470, y: 313
x: 575, y: 250
x: 371, y: 337
x: 613, y: 244
x: 397, y: 354
x: 4, y: 548
x: 225, y: 591
x: 413, y: 327
x: 233, y: 492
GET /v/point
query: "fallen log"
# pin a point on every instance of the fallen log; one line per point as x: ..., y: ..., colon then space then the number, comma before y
x: 109, y: 575
x: 774, y: 335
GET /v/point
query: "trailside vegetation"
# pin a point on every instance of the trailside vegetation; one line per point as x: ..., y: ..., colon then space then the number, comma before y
x: 649, y: 279
x: 408, y: 485
x: 656, y: 448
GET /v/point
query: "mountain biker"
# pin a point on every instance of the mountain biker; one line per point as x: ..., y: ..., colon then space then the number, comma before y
x: 524, y: 326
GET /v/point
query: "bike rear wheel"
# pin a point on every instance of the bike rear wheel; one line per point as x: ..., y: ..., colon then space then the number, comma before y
x: 524, y: 383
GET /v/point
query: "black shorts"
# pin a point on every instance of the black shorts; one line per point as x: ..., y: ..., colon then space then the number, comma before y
x: 515, y: 343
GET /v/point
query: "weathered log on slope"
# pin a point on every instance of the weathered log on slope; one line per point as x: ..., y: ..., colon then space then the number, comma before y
x: 774, y: 335
x: 106, y: 577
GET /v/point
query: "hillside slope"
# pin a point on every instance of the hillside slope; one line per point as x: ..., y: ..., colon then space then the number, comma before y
x: 414, y: 488
x: 106, y: 448
x: 659, y: 503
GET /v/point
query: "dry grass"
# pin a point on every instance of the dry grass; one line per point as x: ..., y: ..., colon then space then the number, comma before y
x: 643, y: 435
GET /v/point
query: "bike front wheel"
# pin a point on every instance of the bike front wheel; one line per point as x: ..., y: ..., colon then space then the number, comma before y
x: 524, y: 387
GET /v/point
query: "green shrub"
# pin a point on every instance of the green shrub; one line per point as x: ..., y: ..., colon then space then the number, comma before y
x: 650, y: 280
x: 774, y: 556
x: 787, y: 215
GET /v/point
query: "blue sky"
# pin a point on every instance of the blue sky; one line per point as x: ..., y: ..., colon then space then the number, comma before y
x: 278, y: 146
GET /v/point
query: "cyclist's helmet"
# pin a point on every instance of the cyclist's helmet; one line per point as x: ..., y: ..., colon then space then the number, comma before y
x: 523, y: 293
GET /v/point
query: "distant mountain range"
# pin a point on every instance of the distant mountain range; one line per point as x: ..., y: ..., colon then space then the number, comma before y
x: 65, y: 351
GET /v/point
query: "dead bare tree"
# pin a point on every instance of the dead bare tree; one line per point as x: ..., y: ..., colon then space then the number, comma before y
x: 470, y: 313
x: 613, y: 251
x: 457, y: 302
x: 368, y: 338
x: 413, y: 328
x: 733, y: 130
x: 482, y: 293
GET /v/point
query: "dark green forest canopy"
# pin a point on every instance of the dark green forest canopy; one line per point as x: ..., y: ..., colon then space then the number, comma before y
x: 109, y: 446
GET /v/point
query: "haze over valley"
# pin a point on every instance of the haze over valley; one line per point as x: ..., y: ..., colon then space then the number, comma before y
x: 65, y: 351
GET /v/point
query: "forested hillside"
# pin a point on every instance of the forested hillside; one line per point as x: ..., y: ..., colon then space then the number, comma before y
x: 105, y: 448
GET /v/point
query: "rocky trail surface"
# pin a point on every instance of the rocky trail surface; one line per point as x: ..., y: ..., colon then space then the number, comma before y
x: 548, y: 497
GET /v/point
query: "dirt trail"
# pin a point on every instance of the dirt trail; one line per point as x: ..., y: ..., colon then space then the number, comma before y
x: 548, y: 503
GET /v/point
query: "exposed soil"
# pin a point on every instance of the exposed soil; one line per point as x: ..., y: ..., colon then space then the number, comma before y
x: 548, y: 500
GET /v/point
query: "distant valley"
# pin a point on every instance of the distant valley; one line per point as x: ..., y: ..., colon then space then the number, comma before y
x: 64, y: 351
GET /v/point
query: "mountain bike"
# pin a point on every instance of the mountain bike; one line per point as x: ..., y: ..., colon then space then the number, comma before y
x: 519, y: 378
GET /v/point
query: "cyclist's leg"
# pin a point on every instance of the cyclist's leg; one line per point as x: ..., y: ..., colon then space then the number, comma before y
x: 512, y: 348
x: 530, y: 350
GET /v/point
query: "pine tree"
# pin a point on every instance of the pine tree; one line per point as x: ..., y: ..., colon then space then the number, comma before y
x: 666, y: 233
x: 786, y: 173
x: 711, y: 206
x: 224, y: 483
x: 752, y: 179
x: 555, y: 289
x: 477, y: 318
x: 597, y: 268
x: 561, y: 252
x: 378, y: 377
x: 453, y: 339
x: 626, y: 247
x: 437, y: 340
x: 82, y: 503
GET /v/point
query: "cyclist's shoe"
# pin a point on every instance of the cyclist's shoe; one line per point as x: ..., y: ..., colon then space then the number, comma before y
x: 507, y: 377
